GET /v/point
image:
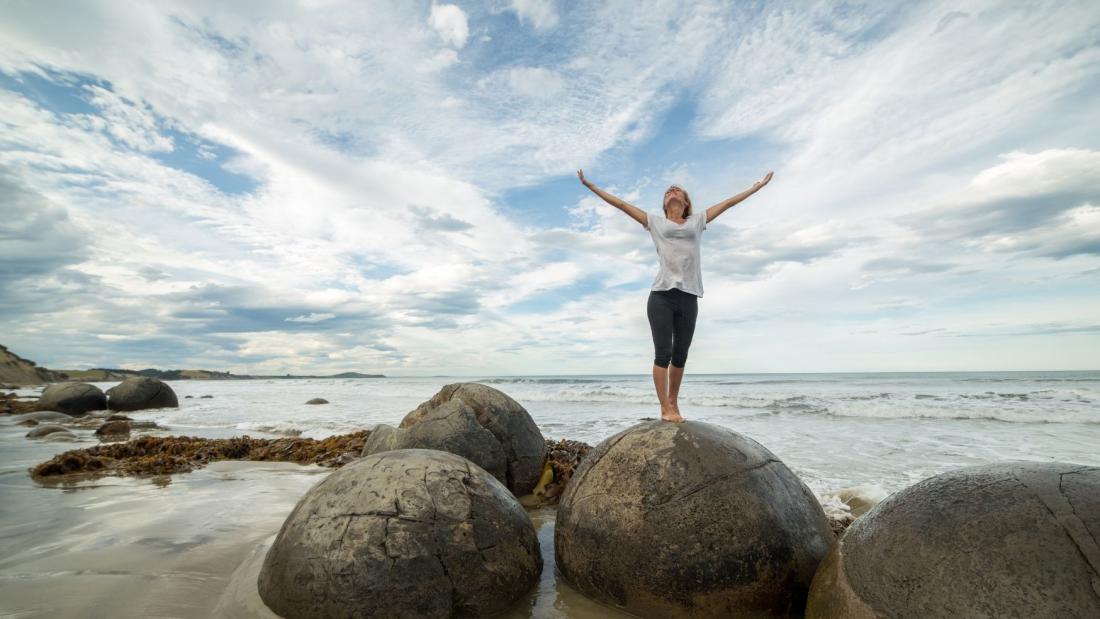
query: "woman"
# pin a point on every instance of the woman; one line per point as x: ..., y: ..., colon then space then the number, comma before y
x: 673, y: 298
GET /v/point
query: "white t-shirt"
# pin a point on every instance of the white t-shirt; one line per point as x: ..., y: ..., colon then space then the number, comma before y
x: 678, y: 248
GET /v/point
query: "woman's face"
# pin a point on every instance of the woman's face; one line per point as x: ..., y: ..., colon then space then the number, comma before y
x: 674, y: 194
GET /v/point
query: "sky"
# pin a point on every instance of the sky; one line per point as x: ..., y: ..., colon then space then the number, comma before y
x: 327, y: 186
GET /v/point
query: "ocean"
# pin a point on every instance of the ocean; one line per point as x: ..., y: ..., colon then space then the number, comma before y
x: 190, y: 545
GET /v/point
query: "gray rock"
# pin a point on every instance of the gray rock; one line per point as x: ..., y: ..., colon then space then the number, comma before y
x: 141, y: 392
x: 690, y: 520
x: 476, y: 422
x: 72, y: 398
x: 407, y: 533
x: 46, y: 430
x: 318, y: 401
x: 1016, y: 539
x: 43, y: 417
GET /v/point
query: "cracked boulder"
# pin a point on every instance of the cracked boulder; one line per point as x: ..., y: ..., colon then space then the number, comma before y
x: 407, y: 533
x: 141, y: 392
x: 1015, y: 539
x: 690, y: 520
x: 476, y: 422
x: 72, y: 398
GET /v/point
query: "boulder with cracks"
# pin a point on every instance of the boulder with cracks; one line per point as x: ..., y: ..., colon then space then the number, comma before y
x: 141, y: 392
x: 690, y: 520
x: 405, y: 533
x: 72, y: 398
x: 476, y: 422
x: 1015, y: 539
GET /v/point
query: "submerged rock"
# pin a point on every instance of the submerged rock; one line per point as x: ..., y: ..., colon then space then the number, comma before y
x: 690, y: 520
x: 44, y: 417
x: 72, y: 398
x: 405, y: 533
x: 317, y: 401
x: 1005, y: 540
x: 46, y: 430
x: 476, y: 422
x: 141, y: 392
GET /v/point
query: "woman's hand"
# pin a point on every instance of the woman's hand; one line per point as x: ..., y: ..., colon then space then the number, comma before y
x: 761, y: 183
x: 584, y: 181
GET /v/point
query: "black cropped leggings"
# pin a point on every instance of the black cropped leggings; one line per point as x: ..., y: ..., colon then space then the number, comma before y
x: 672, y: 316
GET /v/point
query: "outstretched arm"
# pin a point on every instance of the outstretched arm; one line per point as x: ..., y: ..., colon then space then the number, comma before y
x: 635, y: 213
x: 721, y: 207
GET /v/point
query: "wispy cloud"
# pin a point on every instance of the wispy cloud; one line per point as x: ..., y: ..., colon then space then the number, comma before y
x: 324, y: 186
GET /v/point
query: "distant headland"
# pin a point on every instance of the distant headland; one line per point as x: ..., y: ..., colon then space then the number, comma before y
x: 17, y: 370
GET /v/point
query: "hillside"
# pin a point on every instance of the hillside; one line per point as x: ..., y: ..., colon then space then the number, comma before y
x: 16, y: 370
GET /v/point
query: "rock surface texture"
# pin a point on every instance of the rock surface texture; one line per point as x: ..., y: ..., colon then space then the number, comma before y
x: 1007, y: 540
x: 476, y: 422
x: 141, y: 392
x: 690, y: 520
x: 407, y: 533
x: 72, y: 398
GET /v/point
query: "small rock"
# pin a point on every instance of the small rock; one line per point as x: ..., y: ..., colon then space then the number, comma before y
x: 30, y: 423
x: 205, y: 397
x: 188, y: 397
x: 318, y: 401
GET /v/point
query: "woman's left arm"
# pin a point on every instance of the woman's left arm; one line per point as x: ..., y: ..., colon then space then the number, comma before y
x: 721, y: 207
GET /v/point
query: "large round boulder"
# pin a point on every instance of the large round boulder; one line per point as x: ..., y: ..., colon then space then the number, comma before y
x: 72, y: 398
x: 1006, y: 540
x: 140, y: 392
x: 407, y: 533
x: 690, y: 520
x: 476, y: 422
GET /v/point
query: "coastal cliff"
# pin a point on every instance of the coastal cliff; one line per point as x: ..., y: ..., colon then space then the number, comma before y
x: 19, y: 371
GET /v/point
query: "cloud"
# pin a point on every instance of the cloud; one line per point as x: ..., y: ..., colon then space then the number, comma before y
x: 541, y: 14
x: 451, y: 23
x: 312, y: 317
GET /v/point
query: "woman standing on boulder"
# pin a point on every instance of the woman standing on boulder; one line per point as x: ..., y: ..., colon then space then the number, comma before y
x: 673, y: 298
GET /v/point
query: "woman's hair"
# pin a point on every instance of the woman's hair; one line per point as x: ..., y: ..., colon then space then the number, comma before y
x: 687, y: 202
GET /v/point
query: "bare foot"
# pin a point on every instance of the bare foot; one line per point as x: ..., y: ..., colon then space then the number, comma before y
x: 668, y: 413
x: 676, y: 407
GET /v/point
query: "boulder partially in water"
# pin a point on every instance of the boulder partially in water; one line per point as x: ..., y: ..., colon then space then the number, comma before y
x: 476, y: 422
x: 72, y: 398
x: 690, y: 520
x: 46, y: 430
x: 1014, y: 539
x: 141, y: 392
x: 405, y: 533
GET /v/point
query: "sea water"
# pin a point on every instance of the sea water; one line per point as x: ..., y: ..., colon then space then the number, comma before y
x: 190, y: 545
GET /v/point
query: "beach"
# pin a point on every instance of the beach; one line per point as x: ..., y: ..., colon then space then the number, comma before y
x: 190, y: 545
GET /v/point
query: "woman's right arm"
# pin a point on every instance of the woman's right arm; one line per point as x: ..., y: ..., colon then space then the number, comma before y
x: 635, y: 213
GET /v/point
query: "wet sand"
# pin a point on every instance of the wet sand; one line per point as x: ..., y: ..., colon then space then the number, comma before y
x: 186, y: 546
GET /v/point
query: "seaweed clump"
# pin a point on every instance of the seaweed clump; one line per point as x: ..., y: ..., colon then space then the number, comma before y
x: 562, y: 459
x: 164, y: 455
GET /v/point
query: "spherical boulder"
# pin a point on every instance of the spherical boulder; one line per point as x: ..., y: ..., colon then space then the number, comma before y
x: 140, y: 392
x: 690, y: 520
x: 1015, y: 539
x: 405, y: 533
x: 72, y: 398
x: 476, y: 422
